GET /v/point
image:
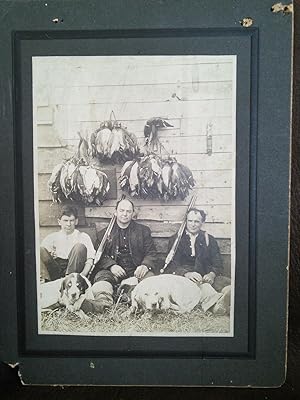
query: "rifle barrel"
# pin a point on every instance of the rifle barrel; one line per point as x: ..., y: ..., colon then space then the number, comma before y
x: 174, y: 247
x: 102, y: 244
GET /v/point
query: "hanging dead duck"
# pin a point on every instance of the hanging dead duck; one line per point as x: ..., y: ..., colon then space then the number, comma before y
x: 151, y: 129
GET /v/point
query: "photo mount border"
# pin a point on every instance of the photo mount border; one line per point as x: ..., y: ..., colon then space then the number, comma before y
x: 245, y: 374
x: 30, y: 346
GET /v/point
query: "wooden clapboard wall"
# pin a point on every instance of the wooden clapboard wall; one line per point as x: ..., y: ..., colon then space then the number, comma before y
x: 74, y: 94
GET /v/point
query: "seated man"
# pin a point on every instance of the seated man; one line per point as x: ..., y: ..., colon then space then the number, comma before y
x: 198, y: 256
x: 129, y: 252
x: 67, y: 250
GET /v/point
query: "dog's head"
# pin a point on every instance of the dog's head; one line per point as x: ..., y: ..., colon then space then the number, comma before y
x: 150, y: 299
x: 72, y: 287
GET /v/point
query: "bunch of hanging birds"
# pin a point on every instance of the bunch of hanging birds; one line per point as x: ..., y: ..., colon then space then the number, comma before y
x: 113, y: 143
x: 152, y: 176
x: 76, y: 180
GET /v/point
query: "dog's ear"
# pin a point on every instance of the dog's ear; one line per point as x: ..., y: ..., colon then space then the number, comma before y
x: 127, y: 289
x: 83, y: 284
x: 62, y: 286
x: 134, y: 302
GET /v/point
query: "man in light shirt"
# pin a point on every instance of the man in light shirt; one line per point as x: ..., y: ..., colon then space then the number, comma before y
x: 67, y: 250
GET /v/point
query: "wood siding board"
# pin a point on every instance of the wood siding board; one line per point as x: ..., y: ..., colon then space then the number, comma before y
x: 45, y: 64
x: 70, y: 74
x: 213, y: 179
x: 226, y: 260
x: 161, y: 229
x: 44, y: 113
x: 70, y: 95
x: 219, y: 213
x: 205, y: 196
x: 47, y: 136
x: 41, y: 95
x: 48, y: 158
x: 202, y: 162
x: 153, y: 93
x: 180, y: 109
x: 140, y: 93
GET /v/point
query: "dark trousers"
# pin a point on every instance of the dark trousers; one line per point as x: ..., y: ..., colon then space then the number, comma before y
x: 106, y: 275
x: 221, y: 282
x: 55, y: 268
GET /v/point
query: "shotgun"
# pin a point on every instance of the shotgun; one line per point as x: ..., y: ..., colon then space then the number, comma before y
x: 103, y: 242
x: 172, y: 252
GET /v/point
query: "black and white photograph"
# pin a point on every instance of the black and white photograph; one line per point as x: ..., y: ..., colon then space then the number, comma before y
x: 135, y: 184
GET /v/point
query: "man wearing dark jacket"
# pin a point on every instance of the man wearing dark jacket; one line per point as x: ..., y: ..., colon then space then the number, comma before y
x: 198, y: 256
x: 129, y: 252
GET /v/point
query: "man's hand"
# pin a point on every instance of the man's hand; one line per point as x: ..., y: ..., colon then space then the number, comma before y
x: 209, y: 278
x: 77, y: 305
x: 141, y: 271
x: 193, y: 276
x: 53, y: 252
x: 87, y: 267
x: 70, y: 308
x: 118, y: 271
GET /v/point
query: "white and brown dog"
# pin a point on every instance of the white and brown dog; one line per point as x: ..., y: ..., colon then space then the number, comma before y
x: 165, y: 292
x: 72, y: 290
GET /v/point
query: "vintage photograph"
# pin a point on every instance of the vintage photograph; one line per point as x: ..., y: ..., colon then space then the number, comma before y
x: 134, y: 179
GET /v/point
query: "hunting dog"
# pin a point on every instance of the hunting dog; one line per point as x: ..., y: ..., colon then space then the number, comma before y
x: 165, y: 292
x: 73, y: 287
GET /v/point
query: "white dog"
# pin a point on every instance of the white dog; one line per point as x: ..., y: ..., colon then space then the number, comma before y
x: 165, y: 292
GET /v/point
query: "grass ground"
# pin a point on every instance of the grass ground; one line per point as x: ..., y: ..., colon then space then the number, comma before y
x: 118, y: 321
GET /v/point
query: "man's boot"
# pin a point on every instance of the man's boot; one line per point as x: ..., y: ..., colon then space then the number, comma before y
x: 222, y: 306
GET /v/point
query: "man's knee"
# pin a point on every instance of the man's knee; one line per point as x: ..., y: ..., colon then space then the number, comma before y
x: 45, y: 261
x: 105, y: 275
x: 79, y: 248
x: 102, y: 286
x: 222, y: 306
x: 148, y: 275
x: 103, y: 294
x: 221, y: 282
x: 45, y: 255
x: 103, y: 298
